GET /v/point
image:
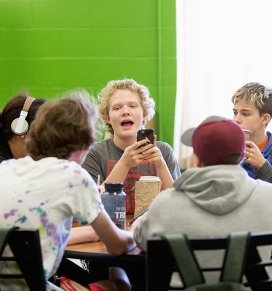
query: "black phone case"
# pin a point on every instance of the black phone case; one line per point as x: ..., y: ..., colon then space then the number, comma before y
x: 146, y: 133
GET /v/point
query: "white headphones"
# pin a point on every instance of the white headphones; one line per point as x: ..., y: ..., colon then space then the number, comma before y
x: 19, y: 125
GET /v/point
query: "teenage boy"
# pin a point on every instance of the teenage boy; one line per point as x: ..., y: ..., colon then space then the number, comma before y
x: 214, y: 195
x: 125, y: 107
x: 48, y: 188
x: 252, y: 111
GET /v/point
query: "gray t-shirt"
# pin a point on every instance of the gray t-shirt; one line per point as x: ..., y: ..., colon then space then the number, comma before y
x: 104, y: 155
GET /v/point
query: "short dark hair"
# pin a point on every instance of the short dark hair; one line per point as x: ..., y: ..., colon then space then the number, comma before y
x: 233, y: 159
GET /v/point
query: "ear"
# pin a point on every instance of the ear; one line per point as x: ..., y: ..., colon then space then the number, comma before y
x: 266, y: 117
x: 144, y: 118
x: 194, y: 162
x: 145, y: 114
x: 107, y: 118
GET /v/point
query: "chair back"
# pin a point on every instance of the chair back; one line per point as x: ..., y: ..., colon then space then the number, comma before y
x: 161, y: 262
x: 26, y: 252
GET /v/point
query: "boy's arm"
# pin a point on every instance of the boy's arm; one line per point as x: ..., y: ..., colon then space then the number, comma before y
x: 131, y: 157
x: 265, y: 172
x: 82, y: 234
x: 116, y: 240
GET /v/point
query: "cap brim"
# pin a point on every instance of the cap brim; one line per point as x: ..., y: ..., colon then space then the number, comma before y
x: 186, y: 137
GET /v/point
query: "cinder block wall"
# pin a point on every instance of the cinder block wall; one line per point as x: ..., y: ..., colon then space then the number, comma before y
x: 50, y: 46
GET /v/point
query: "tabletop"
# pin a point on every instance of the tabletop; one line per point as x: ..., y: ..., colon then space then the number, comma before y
x: 96, y: 253
x: 99, y: 247
x: 96, y: 247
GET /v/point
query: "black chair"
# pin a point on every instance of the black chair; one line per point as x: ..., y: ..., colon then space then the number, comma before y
x: 161, y: 263
x: 26, y: 249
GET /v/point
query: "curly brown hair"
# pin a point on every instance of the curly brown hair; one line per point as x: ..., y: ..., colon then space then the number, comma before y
x: 63, y: 126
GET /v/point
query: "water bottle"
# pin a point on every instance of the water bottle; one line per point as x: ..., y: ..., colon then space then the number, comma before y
x: 114, y: 200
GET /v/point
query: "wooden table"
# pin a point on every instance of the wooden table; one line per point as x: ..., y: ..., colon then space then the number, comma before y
x: 100, y: 260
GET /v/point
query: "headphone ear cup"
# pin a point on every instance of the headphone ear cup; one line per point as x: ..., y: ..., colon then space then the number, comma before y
x: 19, y: 126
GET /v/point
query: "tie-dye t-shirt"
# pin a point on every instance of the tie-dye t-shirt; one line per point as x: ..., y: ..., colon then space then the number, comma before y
x: 47, y: 194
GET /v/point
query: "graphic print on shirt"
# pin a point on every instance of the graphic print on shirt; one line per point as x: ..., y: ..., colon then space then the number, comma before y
x: 134, y: 174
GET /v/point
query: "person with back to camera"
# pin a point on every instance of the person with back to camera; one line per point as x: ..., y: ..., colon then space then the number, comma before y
x: 51, y: 188
x: 125, y: 107
x: 12, y: 135
x: 252, y: 111
x: 214, y: 196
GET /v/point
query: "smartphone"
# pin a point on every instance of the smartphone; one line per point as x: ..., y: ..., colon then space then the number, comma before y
x: 248, y: 134
x: 146, y: 133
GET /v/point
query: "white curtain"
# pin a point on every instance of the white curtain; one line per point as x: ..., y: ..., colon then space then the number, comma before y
x: 221, y: 45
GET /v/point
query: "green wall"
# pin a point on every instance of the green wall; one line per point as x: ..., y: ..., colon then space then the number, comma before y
x: 50, y: 46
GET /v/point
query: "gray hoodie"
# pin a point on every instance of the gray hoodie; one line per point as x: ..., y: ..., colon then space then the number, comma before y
x: 212, y: 200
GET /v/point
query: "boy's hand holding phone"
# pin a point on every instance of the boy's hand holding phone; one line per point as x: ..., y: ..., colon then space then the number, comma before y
x: 143, y: 149
x: 151, y: 154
